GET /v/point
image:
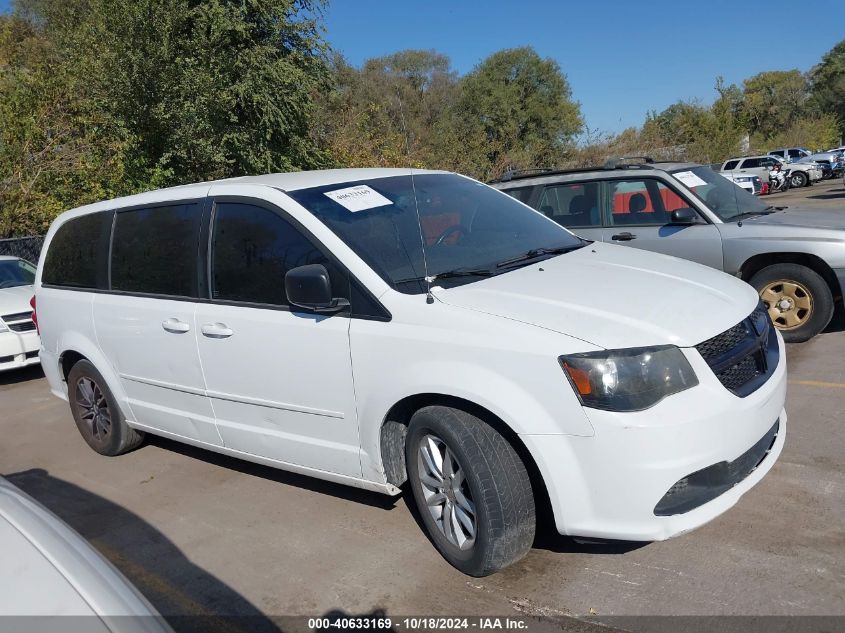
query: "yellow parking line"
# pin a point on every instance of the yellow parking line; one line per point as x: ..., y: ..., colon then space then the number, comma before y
x: 818, y: 383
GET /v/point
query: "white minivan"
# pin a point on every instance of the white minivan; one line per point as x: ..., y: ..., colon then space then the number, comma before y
x: 377, y: 326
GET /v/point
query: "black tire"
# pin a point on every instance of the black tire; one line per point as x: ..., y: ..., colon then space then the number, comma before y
x: 495, y: 479
x: 798, y: 179
x: 820, y: 297
x: 105, y: 430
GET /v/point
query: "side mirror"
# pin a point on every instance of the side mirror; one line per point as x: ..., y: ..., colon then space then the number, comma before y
x: 684, y: 216
x: 310, y: 287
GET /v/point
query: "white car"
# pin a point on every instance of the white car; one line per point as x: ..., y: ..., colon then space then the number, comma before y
x: 49, y: 570
x: 18, y: 337
x: 750, y: 183
x: 374, y: 326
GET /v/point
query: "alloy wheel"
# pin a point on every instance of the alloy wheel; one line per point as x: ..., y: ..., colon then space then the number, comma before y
x: 93, y: 408
x: 446, y: 492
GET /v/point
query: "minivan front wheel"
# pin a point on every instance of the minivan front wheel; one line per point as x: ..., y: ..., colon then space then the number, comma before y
x: 798, y: 299
x: 95, y: 411
x: 471, y: 488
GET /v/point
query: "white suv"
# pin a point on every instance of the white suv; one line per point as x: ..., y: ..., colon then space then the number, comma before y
x: 374, y: 326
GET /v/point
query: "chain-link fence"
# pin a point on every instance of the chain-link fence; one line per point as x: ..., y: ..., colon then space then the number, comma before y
x: 28, y: 248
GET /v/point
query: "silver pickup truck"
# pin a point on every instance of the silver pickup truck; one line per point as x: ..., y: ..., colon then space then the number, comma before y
x: 794, y: 258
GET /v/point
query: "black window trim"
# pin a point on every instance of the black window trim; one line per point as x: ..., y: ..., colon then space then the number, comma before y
x: 606, y: 203
x: 108, y: 262
x: 201, y: 204
x: 203, y: 262
x: 385, y: 315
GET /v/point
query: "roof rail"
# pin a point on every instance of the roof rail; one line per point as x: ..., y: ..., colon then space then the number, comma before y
x: 513, y: 173
x: 616, y: 163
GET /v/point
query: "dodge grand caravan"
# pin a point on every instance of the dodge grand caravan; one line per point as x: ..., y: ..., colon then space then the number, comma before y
x: 372, y: 327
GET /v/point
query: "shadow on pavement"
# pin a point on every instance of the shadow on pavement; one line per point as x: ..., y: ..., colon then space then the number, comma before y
x: 373, y: 499
x: 14, y: 376
x: 190, y: 598
x: 836, y: 194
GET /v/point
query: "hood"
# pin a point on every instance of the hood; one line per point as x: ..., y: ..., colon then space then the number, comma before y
x: 14, y: 300
x: 806, y: 218
x: 614, y: 297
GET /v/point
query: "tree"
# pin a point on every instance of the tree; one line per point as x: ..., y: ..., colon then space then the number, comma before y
x: 827, y: 85
x: 197, y: 89
x: 516, y: 110
x: 390, y: 112
x: 56, y: 149
x: 774, y: 100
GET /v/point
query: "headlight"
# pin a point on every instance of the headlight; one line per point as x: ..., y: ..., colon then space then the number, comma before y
x: 628, y: 379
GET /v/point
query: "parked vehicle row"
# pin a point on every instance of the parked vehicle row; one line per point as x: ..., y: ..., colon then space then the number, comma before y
x: 378, y: 326
x: 800, y: 174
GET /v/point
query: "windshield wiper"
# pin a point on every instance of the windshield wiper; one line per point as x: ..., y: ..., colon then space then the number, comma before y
x: 534, y: 253
x: 449, y: 274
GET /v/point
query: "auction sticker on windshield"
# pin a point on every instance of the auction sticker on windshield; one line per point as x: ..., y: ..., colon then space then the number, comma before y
x: 358, y: 198
x: 689, y: 179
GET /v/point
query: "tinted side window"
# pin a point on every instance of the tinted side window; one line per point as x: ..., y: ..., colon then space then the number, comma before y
x: 252, y: 248
x: 154, y: 250
x: 777, y: 153
x: 731, y: 164
x: 750, y: 163
x: 78, y: 253
x: 520, y: 193
x: 795, y: 153
x: 572, y: 205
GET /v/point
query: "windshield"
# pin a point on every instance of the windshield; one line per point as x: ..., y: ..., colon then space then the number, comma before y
x: 16, y: 272
x: 721, y: 196
x: 465, y: 226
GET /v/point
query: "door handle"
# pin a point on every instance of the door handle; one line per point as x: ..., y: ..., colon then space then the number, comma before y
x: 216, y: 330
x: 623, y: 237
x: 175, y: 326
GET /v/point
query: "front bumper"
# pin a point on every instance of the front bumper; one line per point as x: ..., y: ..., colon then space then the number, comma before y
x: 609, y: 485
x: 18, y: 349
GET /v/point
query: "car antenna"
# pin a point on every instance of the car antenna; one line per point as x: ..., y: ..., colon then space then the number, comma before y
x: 429, y: 298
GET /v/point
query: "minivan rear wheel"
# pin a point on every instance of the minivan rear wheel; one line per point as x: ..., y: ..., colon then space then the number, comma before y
x: 471, y: 488
x: 798, y: 299
x: 95, y: 411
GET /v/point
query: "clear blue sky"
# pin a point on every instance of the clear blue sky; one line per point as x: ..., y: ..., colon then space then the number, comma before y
x: 622, y: 58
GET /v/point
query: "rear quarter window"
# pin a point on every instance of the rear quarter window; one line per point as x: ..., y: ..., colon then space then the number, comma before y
x: 77, y: 256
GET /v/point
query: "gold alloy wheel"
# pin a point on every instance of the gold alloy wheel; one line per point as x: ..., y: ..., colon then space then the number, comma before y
x: 789, y: 303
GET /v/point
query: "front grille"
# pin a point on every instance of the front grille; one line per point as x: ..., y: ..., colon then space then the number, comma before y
x: 19, y: 322
x: 744, y: 356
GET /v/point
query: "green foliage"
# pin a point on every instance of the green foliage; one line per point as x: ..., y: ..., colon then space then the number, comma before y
x: 56, y: 149
x: 390, y: 112
x: 827, y: 85
x: 773, y: 100
x: 411, y: 109
x: 151, y: 93
x: 816, y: 132
x: 518, y: 109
